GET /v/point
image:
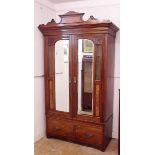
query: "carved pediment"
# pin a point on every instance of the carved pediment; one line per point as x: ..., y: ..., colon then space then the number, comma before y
x: 71, y: 17
x: 71, y: 13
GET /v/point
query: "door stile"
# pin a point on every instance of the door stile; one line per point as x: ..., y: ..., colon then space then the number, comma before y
x: 71, y: 75
x: 75, y: 74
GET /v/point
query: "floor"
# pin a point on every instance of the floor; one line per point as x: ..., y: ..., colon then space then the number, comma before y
x: 57, y: 147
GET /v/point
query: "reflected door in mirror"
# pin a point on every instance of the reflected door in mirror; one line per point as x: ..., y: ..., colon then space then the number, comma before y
x: 85, y: 76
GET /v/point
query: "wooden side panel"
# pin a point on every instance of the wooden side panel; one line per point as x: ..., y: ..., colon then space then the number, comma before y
x: 97, y: 76
x: 51, y: 60
x: 46, y: 73
x: 110, y: 76
x: 107, y: 132
x: 51, y: 76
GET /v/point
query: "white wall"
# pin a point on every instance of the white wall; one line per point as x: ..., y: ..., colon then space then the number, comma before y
x: 42, y: 14
x: 101, y: 9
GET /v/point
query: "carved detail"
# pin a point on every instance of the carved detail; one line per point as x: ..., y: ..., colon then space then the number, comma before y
x: 71, y: 17
x: 98, y: 40
x: 52, y: 22
x: 51, y: 41
x: 92, y: 19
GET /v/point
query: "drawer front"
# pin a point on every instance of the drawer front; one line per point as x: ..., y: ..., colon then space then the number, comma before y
x: 89, y: 135
x: 59, y: 128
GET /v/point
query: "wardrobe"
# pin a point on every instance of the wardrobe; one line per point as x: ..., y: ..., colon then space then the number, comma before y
x: 79, y: 58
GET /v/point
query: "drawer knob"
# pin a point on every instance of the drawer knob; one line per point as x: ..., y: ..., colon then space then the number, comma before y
x: 88, y: 135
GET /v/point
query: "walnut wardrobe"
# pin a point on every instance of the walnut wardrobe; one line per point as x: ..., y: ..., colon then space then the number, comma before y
x: 79, y: 79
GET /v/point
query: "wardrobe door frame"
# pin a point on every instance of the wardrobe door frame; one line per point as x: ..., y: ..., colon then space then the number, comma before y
x: 50, y: 41
x: 98, y: 40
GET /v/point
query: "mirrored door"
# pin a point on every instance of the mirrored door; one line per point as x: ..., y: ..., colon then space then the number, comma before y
x: 59, y: 86
x: 85, y: 76
x: 62, y: 75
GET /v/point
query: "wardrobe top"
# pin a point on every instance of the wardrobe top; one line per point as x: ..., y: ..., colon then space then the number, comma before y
x: 71, y: 20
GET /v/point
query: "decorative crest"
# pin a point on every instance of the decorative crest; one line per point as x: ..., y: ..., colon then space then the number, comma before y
x: 52, y: 22
x: 92, y: 19
x: 71, y: 17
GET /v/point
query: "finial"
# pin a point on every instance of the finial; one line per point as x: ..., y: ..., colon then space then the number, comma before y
x: 92, y: 18
x: 53, y: 21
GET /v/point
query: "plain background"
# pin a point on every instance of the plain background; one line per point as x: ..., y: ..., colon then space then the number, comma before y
x: 137, y: 77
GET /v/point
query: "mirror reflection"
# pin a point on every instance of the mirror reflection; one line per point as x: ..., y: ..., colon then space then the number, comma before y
x: 85, y: 76
x: 62, y: 75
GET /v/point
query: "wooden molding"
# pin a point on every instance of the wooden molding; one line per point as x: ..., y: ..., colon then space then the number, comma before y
x: 74, y: 20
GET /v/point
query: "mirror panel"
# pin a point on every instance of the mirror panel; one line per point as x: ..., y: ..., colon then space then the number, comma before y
x: 62, y: 75
x: 85, y: 76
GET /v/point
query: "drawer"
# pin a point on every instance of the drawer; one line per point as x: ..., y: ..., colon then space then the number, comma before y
x: 59, y: 128
x: 89, y: 135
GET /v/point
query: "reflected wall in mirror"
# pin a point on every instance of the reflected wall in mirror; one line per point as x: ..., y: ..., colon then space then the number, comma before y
x: 85, y: 76
x: 62, y: 75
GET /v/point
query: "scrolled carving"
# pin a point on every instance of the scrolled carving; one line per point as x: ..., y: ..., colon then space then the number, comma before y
x: 71, y: 17
x: 92, y: 19
x: 52, y: 22
x: 52, y: 41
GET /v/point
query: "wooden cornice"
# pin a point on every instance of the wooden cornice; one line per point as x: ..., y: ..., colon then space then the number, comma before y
x: 72, y: 20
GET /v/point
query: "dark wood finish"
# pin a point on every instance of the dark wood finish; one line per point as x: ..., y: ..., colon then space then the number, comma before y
x: 92, y: 130
x: 60, y: 128
x: 87, y: 101
x: 108, y: 88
